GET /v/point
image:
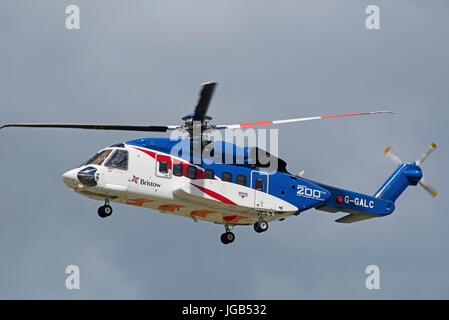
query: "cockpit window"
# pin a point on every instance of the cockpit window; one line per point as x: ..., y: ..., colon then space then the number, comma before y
x: 119, y: 160
x: 99, y: 157
x: 118, y: 145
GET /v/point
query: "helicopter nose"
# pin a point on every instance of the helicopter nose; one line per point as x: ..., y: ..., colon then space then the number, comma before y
x: 70, y: 178
x: 87, y: 177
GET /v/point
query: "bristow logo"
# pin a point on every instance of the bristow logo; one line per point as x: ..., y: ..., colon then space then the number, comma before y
x: 135, y: 179
x: 243, y: 194
x: 149, y: 183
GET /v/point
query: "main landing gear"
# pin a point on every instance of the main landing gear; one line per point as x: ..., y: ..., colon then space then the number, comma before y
x: 261, y: 225
x: 227, y: 237
x: 105, y: 211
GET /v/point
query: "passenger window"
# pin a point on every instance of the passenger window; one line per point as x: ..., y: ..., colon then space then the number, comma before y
x: 192, y: 172
x: 259, y: 185
x: 178, y: 169
x: 209, y: 174
x: 118, y: 160
x: 241, y: 180
x: 163, y: 166
x: 226, y: 176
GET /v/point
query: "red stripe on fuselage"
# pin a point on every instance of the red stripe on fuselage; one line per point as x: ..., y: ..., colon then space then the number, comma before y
x: 215, y: 195
x: 200, y: 173
x: 150, y: 153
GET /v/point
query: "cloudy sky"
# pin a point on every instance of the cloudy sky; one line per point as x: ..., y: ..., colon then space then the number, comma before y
x: 141, y: 62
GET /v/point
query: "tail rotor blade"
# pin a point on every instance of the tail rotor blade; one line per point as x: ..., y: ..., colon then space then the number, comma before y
x: 426, y: 153
x: 433, y: 192
x: 390, y: 154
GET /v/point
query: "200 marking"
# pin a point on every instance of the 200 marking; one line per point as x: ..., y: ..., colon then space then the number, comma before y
x: 308, y: 192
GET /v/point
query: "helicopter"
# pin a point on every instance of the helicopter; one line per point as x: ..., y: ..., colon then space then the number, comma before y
x: 168, y: 176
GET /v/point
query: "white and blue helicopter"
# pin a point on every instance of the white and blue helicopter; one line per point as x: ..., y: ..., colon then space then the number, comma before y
x: 148, y: 173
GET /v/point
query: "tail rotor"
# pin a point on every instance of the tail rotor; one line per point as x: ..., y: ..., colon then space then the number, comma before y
x: 431, y: 190
x: 426, y: 153
x: 394, y: 157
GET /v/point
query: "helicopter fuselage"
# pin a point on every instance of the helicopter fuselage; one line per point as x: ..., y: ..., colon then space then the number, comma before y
x: 145, y: 173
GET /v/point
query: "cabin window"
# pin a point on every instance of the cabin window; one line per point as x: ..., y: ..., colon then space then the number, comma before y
x: 163, y: 166
x: 259, y: 185
x: 178, y: 169
x: 226, y: 176
x: 191, y: 172
x: 209, y: 174
x: 118, y: 160
x: 241, y: 180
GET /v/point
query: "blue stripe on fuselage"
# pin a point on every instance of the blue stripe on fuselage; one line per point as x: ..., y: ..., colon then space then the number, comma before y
x: 299, y: 192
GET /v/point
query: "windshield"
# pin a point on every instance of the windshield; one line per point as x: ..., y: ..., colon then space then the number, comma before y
x: 99, y: 157
x: 119, y: 160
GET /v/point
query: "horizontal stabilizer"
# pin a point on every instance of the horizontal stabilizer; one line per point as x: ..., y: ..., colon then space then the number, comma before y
x: 350, y: 218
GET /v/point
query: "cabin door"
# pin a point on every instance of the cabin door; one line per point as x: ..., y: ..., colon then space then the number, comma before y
x: 259, y: 183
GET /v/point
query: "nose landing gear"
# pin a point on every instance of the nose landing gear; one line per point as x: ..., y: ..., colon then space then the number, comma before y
x: 227, y: 237
x: 105, y: 211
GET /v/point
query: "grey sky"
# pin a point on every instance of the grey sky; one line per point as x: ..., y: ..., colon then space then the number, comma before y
x: 141, y: 62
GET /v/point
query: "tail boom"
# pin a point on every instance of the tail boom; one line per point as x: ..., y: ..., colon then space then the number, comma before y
x: 359, y: 206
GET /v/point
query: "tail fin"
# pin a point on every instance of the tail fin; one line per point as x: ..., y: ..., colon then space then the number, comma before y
x: 407, y: 174
x: 362, y: 207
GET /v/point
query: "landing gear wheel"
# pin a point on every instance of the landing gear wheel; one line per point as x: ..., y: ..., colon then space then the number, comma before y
x: 261, y: 226
x: 227, y: 237
x: 105, y: 211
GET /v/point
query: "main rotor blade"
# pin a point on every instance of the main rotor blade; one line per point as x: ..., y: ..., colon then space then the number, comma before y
x: 93, y: 126
x: 433, y: 192
x: 267, y: 123
x: 204, y: 101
